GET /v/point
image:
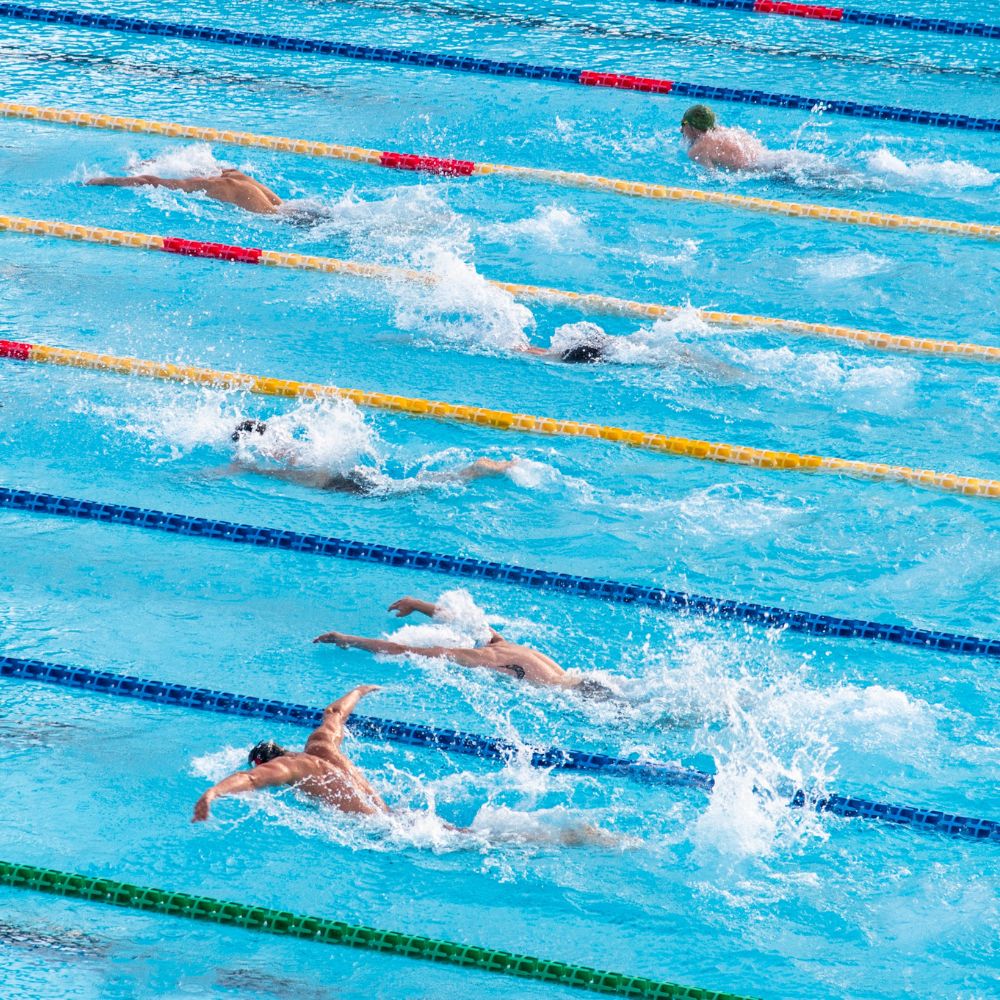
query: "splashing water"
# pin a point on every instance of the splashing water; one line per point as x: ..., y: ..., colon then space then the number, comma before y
x: 843, y: 266
x: 196, y: 160
x: 954, y: 174
x: 325, y: 434
x: 461, y: 307
x: 458, y: 622
x: 554, y: 227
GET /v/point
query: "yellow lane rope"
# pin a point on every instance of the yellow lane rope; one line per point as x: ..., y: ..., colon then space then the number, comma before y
x: 761, y: 458
x: 564, y: 178
x: 582, y: 301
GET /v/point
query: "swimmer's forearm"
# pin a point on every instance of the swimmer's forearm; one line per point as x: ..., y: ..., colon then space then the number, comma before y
x: 346, y: 704
x: 233, y: 785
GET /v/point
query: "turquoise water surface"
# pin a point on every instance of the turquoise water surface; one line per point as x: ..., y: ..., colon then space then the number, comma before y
x: 736, y: 893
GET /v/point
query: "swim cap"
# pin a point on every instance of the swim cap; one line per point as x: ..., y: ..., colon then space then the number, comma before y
x: 583, y: 354
x: 264, y: 751
x: 700, y: 117
x: 248, y: 427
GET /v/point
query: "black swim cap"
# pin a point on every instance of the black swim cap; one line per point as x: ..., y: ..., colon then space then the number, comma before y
x: 583, y: 354
x: 264, y: 751
x: 248, y: 427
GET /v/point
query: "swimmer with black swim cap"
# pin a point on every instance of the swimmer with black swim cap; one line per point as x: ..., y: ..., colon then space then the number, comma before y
x: 359, y: 481
x: 714, y: 145
x: 265, y: 751
x: 509, y: 658
x: 247, y: 427
x: 592, y: 346
x: 323, y: 771
x: 320, y: 769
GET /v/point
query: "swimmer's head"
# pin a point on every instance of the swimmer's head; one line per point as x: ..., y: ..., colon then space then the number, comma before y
x: 697, y: 120
x: 264, y: 751
x: 247, y: 427
x: 583, y: 354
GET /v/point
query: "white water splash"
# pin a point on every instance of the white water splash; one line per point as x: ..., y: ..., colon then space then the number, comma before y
x: 461, y: 307
x: 953, y: 174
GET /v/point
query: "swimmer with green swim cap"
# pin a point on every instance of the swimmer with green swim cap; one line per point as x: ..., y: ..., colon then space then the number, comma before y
x: 714, y: 145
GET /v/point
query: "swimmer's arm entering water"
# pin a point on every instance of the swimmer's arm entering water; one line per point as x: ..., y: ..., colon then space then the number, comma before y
x: 281, y: 771
x: 407, y: 605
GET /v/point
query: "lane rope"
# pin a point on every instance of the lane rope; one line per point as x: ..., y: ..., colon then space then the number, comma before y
x: 491, y: 67
x: 939, y: 25
x: 585, y: 302
x: 469, y: 567
x: 284, y: 923
x: 505, y: 420
x: 449, y: 167
x: 450, y: 741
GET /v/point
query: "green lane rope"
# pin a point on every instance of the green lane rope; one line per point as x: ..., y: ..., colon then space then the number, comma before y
x: 286, y: 924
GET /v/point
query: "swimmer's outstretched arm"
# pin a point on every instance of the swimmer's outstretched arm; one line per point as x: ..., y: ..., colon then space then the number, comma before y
x: 463, y: 657
x: 151, y: 180
x: 281, y: 771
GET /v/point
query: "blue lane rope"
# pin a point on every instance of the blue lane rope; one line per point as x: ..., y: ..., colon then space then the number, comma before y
x: 829, y: 626
x: 938, y: 25
x: 452, y: 741
x: 492, y: 67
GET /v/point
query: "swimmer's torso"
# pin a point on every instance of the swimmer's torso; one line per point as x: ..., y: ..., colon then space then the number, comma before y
x: 326, y: 774
x: 537, y: 668
x: 236, y: 188
x: 732, y: 148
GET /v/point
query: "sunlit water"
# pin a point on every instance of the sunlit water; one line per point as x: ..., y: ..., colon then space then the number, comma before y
x: 737, y: 893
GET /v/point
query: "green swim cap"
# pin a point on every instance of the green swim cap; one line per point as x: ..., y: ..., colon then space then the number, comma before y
x: 700, y: 117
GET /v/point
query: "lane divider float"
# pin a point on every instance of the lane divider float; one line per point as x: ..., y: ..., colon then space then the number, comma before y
x: 505, y: 420
x: 284, y: 923
x: 488, y: 748
x: 449, y: 167
x: 585, y: 302
x: 490, y: 67
x: 849, y: 15
x: 469, y: 567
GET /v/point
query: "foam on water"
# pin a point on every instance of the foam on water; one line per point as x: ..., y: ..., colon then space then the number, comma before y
x: 196, y: 160
x: 396, y: 228
x: 878, y: 387
x: 458, y: 622
x: 329, y: 434
x: 554, y: 227
x: 461, y: 308
x: 844, y: 266
x: 924, y: 172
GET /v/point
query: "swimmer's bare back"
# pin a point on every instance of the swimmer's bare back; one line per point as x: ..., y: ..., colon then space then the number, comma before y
x: 231, y: 186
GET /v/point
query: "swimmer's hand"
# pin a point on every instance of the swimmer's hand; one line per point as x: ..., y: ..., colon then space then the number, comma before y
x: 201, y: 807
x: 405, y: 606
x: 336, y: 638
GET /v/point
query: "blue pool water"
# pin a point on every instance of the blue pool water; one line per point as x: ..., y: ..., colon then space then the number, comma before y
x: 737, y: 893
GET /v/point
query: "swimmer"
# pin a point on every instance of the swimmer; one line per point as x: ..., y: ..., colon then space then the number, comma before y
x: 497, y: 654
x: 231, y: 186
x: 320, y: 770
x: 359, y: 480
x: 596, y: 347
x: 714, y: 145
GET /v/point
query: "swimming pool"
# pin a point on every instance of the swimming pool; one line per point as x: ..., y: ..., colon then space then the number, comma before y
x: 736, y: 893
